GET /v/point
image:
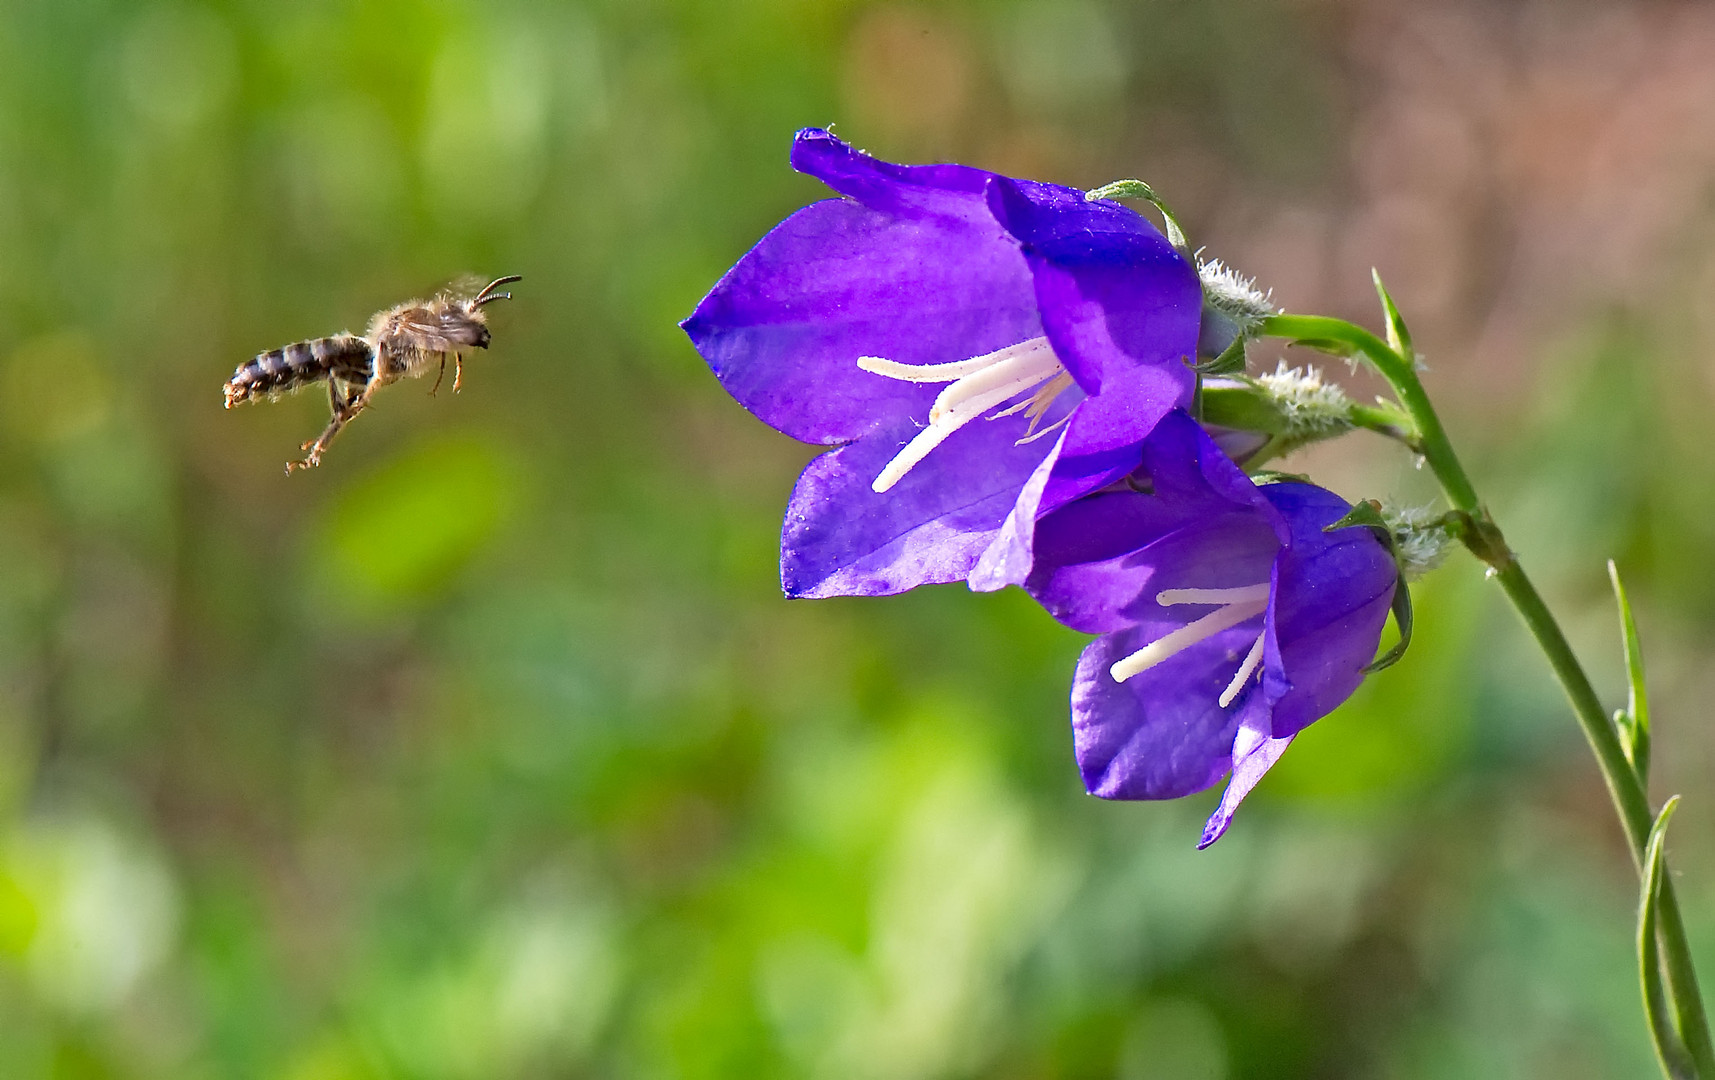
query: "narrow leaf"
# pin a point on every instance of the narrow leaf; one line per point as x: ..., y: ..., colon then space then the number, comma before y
x: 1628, y: 736
x: 1398, y: 337
x: 1635, y: 733
x: 1675, y: 1061
x: 1137, y: 189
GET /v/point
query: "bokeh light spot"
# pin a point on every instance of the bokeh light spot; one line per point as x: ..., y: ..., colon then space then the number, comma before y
x: 403, y: 532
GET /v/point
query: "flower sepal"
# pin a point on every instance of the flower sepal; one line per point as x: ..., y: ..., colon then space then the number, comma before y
x: 1137, y: 189
x: 1292, y: 407
x: 1264, y: 477
x: 1230, y: 361
x: 1367, y: 514
x: 1243, y: 406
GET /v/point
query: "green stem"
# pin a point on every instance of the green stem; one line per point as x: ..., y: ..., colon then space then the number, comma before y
x: 1630, y: 801
x: 1383, y: 421
x: 1483, y: 537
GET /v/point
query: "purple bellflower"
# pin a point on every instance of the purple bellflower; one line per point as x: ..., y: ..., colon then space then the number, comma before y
x: 978, y: 349
x: 1229, y: 619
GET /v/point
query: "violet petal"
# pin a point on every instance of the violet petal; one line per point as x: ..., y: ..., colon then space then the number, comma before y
x: 1114, y: 294
x: 1331, y: 599
x: 1159, y: 734
x: 783, y: 329
x: 841, y: 538
x: 1254, y: 753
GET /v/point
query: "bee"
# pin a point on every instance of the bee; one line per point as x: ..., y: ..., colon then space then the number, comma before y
x: 405, y: 341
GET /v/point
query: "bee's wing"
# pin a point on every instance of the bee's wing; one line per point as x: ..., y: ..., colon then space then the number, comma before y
x: 427, y: 329
x: 463, y: 287
x: 440, y: 328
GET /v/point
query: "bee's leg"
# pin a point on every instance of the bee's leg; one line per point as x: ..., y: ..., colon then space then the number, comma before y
x: 441, y: 375
x: 345, y: 406
x: 358, y: 399
x: 458, y: 369
x: 315, y: 446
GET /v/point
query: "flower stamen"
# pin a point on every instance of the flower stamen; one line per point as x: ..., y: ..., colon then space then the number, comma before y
x: 1236, y: 605
x: 1030, y: 436
x: 1243, y: 595
x: 1036, y: 405
x: 978, y: 385
x: 1246, y: 670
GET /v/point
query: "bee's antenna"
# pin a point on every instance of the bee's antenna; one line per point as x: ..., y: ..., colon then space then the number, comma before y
x: 488, y: 293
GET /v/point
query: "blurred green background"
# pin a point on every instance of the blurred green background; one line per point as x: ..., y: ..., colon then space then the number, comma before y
x: 489, y: 749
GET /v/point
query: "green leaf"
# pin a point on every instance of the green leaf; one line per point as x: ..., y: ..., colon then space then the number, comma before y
x: 1230, y: 362
x: 1402, y: 620
x: 1398, y: 337
x: 1137, y: 189
x: 1635, y: 729
x: 1675, y: 1061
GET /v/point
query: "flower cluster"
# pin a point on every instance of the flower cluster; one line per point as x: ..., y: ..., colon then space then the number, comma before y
x: 1003, y: 370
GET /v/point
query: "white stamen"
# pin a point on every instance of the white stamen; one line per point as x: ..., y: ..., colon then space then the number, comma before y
x: 1246, y: 670
x: 978, y: 384
x: 1013, y: 410
x: 1037, y: 404
x: 1014, y: 374
x: 958, y: 369
x: 1243, y: 595
x: 1030, y: 436
x: 1188, y: 635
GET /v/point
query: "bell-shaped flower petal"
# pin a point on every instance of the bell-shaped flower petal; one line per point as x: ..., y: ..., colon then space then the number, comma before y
x: 981, y: 350
x: 1229, y: 619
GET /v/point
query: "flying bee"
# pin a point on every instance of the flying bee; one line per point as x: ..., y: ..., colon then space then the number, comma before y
x: 405, y: 341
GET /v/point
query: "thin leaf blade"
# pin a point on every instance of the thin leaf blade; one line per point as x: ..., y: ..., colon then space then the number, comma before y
x: 1670, y: 1051
x: 1398, y: 337
x: 1635, y: 731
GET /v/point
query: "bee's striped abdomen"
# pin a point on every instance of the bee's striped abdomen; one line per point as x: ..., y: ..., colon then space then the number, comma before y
x: 299, y: 364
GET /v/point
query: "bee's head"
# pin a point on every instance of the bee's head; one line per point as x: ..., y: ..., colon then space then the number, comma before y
x: 476, y: 319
